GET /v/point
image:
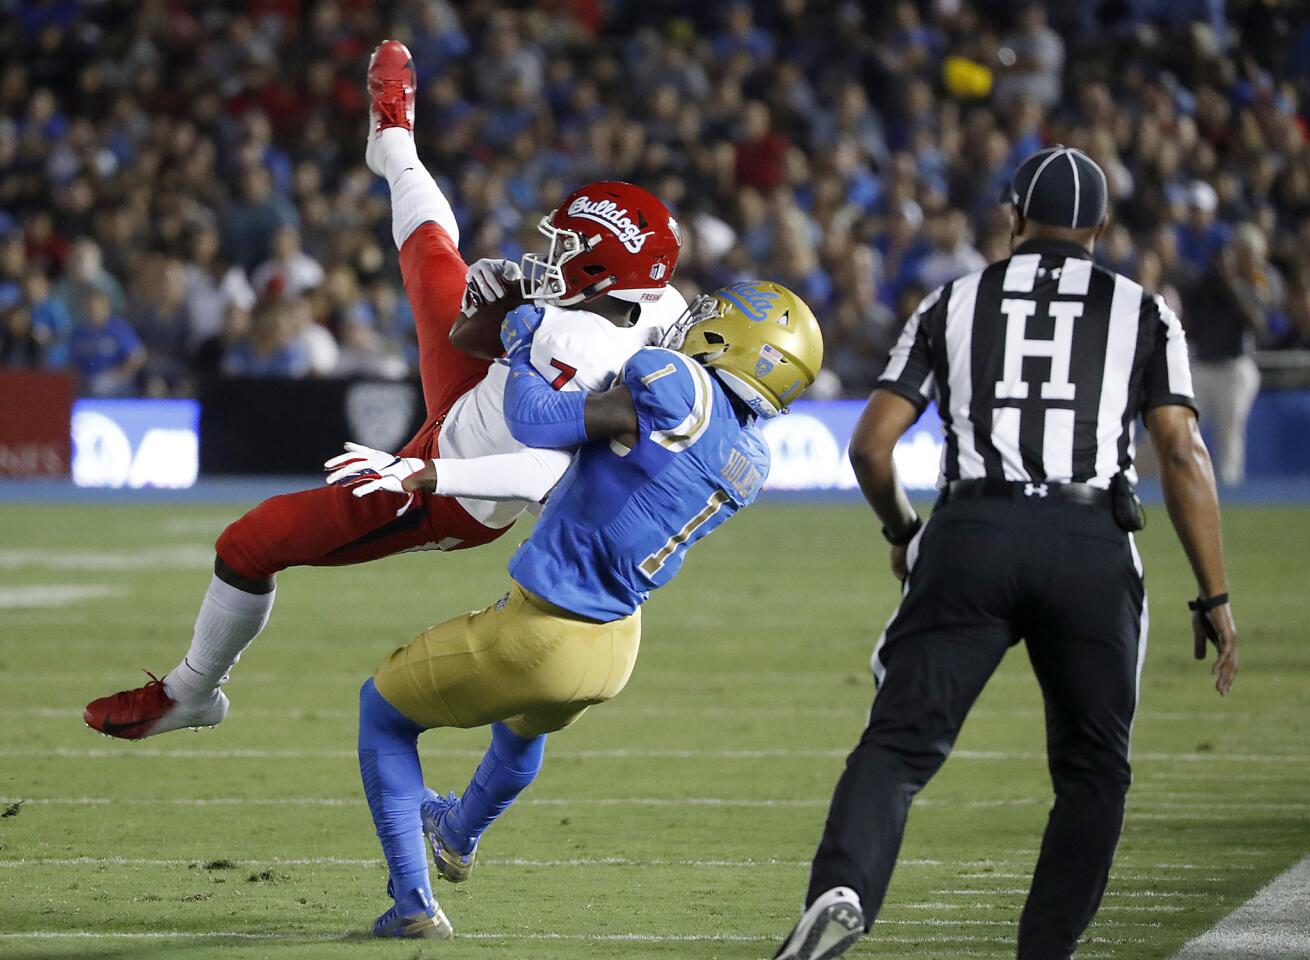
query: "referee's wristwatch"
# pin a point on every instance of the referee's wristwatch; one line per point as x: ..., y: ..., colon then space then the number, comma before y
x: 906, y: 535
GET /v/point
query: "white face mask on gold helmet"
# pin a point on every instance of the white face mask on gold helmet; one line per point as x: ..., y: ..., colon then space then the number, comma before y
x: 655, y: 317
x: 759, y: 337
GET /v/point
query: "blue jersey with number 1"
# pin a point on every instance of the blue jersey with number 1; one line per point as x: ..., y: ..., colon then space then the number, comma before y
x: 621, y: 521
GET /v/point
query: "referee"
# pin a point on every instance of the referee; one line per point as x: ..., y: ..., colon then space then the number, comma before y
x: 1039, y: 364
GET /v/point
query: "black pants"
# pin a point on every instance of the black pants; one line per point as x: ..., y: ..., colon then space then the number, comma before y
x: 985, y: 574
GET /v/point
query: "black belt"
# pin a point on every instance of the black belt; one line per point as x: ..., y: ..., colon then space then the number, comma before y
x: 1082, y: 493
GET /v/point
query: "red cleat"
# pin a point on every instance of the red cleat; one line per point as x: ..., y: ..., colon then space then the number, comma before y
x: 148, y: 710
x: 391, y: 87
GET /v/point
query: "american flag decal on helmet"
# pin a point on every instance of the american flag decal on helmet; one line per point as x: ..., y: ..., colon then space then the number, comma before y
x: 770, y: 357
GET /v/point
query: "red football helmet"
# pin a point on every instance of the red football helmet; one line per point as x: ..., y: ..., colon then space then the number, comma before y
x: 607, y: 237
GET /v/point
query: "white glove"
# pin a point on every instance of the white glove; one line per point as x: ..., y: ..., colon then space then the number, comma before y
x: 490, y: 278
x: 366, y: 471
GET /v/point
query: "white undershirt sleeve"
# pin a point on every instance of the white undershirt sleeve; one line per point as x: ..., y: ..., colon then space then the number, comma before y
x: 528, y: 475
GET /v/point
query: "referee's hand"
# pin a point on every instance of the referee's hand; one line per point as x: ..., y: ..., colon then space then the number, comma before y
x: 899, y: 567
x: 1222, y: 632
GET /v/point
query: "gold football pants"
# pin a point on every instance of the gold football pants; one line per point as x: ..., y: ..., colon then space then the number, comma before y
x: 521, y: 661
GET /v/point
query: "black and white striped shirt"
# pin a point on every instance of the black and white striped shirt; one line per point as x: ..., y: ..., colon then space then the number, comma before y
x: 1040, y: 364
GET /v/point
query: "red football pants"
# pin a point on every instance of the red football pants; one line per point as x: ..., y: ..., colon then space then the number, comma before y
x: 329, y: 526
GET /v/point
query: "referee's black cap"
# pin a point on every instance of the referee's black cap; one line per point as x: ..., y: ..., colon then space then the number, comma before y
x: 1059, y: 187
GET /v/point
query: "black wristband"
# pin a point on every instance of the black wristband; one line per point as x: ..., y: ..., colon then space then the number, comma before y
x: 1204, y: 605
x: 905, y: 537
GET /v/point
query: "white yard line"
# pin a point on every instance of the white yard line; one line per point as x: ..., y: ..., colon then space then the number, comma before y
x: 1273, y: 923
x: 1115, y: 877
x: 138, y: 751
x: 170, y: 557
x: 312, y: 938
x: 479, y: 935
x: 352, y: 801
x: 662, y: 680
x: 747, y: 863
x: 41, y: 595
x: 858, y: 710
x: 1142, y: 811
x: 1199, y: 775
x: 1156, y: 756
x: 1112, y: 894
x: 134, y: 751
x: 378, y: 862
x: 1197, y: 816
x: 1198, y: 812
x: 974, y: 905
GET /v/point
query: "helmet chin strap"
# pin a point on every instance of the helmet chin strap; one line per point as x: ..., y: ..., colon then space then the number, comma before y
x: 710, y: 356
x: 597, y: 288
x: 586, y: 293
x: 750, y: 395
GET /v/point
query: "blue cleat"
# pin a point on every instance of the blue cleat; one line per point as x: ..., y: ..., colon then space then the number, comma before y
x: 429, y: 923
x: 450, y: 863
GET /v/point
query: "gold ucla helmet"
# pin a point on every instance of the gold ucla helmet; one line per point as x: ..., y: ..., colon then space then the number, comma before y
x: 761, y: 339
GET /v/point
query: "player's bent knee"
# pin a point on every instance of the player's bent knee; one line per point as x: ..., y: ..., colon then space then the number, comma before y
x: 243, y: 551
x: 254, y: 585
x: 279, y: 532
x: 379, y: 718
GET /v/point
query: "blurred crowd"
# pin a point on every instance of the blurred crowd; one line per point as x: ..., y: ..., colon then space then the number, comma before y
x: 182, y: 191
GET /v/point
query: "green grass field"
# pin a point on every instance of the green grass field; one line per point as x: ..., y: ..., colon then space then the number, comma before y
x: 677, y: 820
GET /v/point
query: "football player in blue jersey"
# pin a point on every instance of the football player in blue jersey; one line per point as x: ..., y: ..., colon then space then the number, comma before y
x: 665, y: 457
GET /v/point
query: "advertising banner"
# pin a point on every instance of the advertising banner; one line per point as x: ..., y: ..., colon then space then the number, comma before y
x: 292, y: 426
x: 811, y: 447
x: 34, y: 411
x: 136, y: 443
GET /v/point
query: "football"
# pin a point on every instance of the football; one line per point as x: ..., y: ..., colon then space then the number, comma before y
x: 477, y: 331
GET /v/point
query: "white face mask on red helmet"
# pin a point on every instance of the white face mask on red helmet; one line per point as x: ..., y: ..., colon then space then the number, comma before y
x: 607, y: 237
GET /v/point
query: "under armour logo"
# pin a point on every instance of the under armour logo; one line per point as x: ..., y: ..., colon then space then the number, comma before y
x: 846, y: 917
x: 1035, y: 490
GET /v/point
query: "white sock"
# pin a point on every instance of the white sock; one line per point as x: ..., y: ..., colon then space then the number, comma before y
x: 228, y: 620
x: 415, y: 197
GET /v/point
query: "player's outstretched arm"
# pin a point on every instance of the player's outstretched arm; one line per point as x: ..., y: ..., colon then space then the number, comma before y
x: 1193, y: 502
x: 525, y: 475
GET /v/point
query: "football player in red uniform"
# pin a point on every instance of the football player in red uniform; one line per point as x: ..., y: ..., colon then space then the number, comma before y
x: 603, y: 285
